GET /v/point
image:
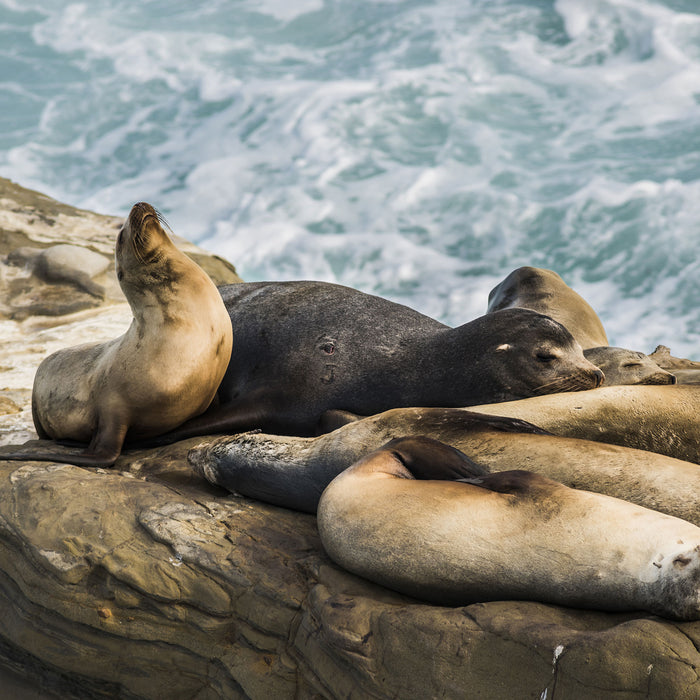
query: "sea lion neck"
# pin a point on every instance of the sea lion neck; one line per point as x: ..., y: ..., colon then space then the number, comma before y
x: 154, y: 295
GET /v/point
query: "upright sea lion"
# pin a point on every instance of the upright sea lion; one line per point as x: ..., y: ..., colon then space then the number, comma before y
x: 512, y: 535
x: 303, y: 348
x: 546, y: 292
x: 622, y: 366
x: 163, y: 370
x: 293, y: 471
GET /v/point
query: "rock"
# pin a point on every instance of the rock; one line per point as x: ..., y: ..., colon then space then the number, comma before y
x: 202, y: 594
x: 144, y: 581
x: 57, y: 260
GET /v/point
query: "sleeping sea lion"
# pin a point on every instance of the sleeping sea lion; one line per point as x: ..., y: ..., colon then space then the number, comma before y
x: 622, y: 366
x: 511, y: 535
x: 303, y: 348
x: 661, y: 419
x: 293, y: 471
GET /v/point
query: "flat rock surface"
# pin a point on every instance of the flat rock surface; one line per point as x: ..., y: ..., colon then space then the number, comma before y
x: 144, y: 581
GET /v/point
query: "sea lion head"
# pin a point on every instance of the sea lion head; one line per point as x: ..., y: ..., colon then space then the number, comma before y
x: 141, y: 244
x: 533, y: 354
x: 622, y: 366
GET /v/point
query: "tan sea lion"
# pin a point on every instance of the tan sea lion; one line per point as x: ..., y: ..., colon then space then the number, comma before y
x: 687, y: 376
x: 546, y: 292
x: 662, y: 357
x: 293, y: 471
x: 165, y: 369
x: 622, y: 366
x: 511, y: 535
x: 661, y: 419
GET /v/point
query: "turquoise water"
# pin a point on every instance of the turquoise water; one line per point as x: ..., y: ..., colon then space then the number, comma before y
x: 419, y: 150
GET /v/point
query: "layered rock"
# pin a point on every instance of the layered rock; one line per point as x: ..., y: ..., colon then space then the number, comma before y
x: 144, y: 581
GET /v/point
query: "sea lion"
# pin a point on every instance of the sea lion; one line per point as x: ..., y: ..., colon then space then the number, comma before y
x: 622, y: 366
x: 661, y: 419
x: 293, y: 471
x: 511, y: 535
x: 163, y: 370
x: 546, y: 292
x: 662, y: 357
x: 303, y: 348
x: 687, y: 376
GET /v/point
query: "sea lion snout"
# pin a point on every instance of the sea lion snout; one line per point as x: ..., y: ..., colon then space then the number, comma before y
x: 140, y: 211
x: 598, y: 377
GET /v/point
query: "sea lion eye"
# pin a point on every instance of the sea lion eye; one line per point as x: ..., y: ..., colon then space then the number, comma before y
x: 544, y: 356
x: 627, y: 365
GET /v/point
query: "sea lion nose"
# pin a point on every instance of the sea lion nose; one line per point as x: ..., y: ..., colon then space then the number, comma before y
x: 674, y: 379
x: 599, y: 377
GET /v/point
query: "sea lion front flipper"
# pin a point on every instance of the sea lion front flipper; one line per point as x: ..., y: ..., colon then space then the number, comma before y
x: 103, y: 450
x: 84, y: 458
x: 507, y: 424
x: 427, y: 458
x: 334, y: 419
x: 243, y: 416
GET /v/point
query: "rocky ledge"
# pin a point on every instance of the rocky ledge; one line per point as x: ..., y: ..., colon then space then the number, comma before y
x: 144, y: 581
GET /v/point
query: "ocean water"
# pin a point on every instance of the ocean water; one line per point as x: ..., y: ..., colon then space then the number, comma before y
x: 418, y: 150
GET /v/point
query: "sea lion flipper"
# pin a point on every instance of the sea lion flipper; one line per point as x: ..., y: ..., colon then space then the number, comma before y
x: 102, y: 451
x: 243, y: 416
x: 335, y: 418
x: 80, y: 459
x: 507, y: 424
x: 260, y: 466
x: 430, y: 459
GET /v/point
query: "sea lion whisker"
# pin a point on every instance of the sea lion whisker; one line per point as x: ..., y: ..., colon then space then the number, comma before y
x: 163, y: 220
x: 558, y: 384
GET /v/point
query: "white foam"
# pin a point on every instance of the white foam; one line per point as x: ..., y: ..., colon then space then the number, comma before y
x: 420, y: 152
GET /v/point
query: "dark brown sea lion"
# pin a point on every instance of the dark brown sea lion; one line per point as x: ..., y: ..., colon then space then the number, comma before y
x: 165, y: 369
x: 303, y: 348
x: 511, y: 535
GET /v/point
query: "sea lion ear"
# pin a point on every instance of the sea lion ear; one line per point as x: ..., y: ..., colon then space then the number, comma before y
x: 504, y: 347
